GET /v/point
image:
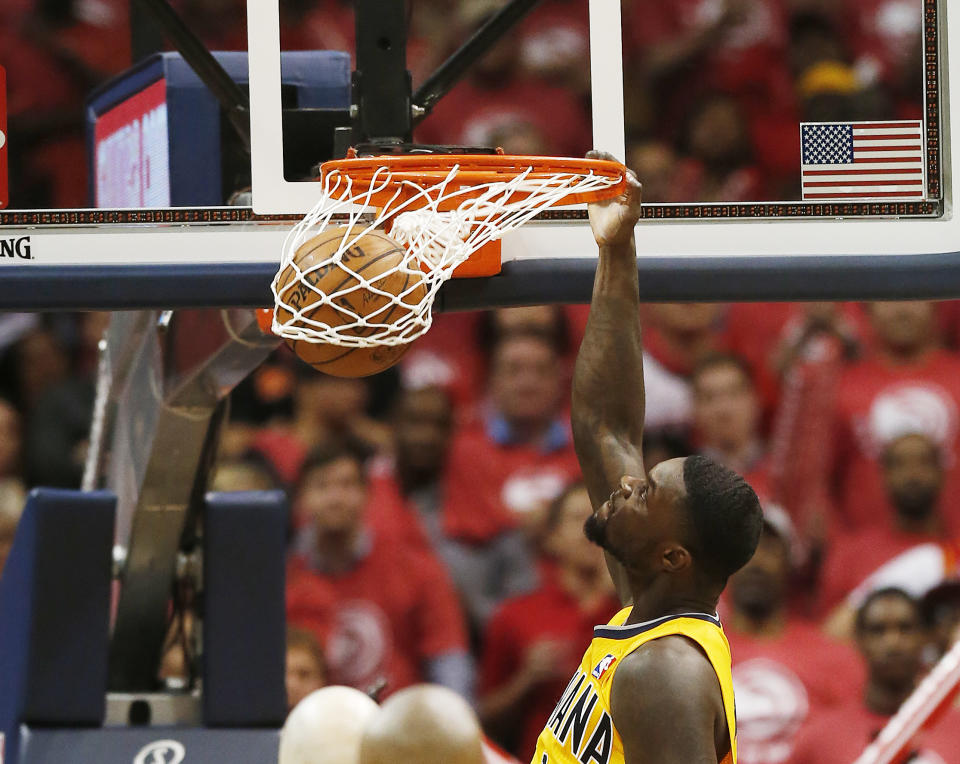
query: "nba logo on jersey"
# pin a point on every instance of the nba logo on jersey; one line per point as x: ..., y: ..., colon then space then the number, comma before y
x: 601, y: 668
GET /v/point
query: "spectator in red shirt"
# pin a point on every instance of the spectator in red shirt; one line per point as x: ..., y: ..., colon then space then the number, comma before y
x: 773, y: 337
x: 726, y: 417
x: 913, y: 476
x: 732, y: 45
x: 499, y: 99
x: 327, y: 411
x: 385, y: 612
x: 531, y: 644
x: 891, y: 639
x: 306, y: 668
x: 783, y: 668
x: 909, y: 384
x: 684, y: 51
x: 883, y: 35
x: 408, y: 502
x: 719, y: 164
x: 504, y: 470
x: 676, y: 337
x: 941, y: 614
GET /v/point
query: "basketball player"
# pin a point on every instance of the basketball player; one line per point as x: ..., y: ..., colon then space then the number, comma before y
x: 654, y: 686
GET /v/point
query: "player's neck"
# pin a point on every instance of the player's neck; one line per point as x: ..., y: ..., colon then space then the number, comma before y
x: 885, y: 699
x: 654, y: 601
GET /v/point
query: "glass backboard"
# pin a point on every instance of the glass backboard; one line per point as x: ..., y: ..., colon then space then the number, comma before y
x: 785, y: 155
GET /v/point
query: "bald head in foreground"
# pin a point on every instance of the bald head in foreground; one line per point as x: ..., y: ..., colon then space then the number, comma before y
x: 326, y: 727
x: 425, y: 724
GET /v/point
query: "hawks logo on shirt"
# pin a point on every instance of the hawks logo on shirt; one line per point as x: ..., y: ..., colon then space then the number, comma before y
x: 601, y: 668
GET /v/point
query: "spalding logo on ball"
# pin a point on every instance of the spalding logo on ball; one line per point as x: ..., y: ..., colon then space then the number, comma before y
x: 378, y: 259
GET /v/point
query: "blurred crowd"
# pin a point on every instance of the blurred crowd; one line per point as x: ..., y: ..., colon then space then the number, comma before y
x: 436, y: 514
x: 436, y: 511
x: 714, y: 89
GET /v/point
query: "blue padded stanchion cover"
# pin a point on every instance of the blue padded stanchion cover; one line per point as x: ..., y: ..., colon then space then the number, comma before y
x: 54, y: 613
x: 149, y: 745
x: 244, y: 634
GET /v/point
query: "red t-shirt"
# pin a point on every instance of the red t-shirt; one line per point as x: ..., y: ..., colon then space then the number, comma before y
x: 840, y: 735
x: 852, y: 557
x: 756, y: 331
x: 448, y: 357
x: 747, y: 60
x: 493, y: 754
x: 383, y: 618
x: 876, y: 401
x: 389, y: 512
x: 283, y: 449
x: 885, y: 34
x: 781, y: 681
x: 473, y: 116
x: 489, y: 485
x: 548, y: 614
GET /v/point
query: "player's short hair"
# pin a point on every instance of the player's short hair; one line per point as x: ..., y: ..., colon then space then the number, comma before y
x: 887, y: 592
x: 724, y: 515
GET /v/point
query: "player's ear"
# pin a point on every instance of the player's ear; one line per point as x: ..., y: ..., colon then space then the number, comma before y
x: 675, y: 558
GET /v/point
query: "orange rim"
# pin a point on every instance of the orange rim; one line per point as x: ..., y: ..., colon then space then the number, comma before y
x: 425, y: 170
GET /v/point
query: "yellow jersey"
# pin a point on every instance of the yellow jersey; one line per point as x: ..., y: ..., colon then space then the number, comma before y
x: 580, y: 730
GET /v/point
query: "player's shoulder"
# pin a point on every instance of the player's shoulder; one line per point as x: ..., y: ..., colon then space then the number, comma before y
x: 669, y: 680
x: 675, y: 662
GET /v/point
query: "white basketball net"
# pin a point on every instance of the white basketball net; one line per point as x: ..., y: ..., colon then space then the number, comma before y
x: 435, y: 244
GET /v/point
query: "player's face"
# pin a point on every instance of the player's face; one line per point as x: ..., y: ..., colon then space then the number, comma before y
x: 640, y: 517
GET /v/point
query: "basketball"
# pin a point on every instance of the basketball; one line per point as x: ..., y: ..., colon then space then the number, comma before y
x: 376, y: 257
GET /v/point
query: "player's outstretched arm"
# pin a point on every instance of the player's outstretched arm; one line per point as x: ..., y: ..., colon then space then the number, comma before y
x: 666, y: 704
x: 608, y: 398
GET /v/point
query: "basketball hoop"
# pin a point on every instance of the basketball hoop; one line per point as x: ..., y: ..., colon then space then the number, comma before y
x: 441, y: 208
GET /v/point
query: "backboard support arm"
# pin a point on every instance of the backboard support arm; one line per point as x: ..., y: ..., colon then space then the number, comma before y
x: 454, y: 68
x: 233, y: 100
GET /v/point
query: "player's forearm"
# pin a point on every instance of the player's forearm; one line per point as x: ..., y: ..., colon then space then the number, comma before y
x: 608, y: 395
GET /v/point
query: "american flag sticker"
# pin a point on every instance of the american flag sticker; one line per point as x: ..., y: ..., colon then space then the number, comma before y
x: 862, y: 160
